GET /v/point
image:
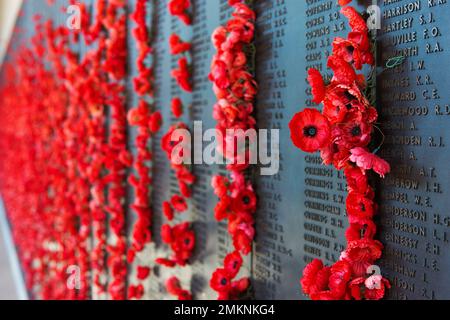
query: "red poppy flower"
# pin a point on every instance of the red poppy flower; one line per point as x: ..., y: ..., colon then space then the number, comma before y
x: 317, y: 84
x: 165, y: 262
x: 220, y: 185
x: 341, y: 273
x: 143, y: 272
x: 177, y: 107
x: 233, y: 263
x: 354, y: 49
x: 315, y: 277
x: 155, y: 122
x: 179, y: 8
x: 182, y: 75
x: 344, y: 2
x: 222, y: 208
x: 375, y: 287
x: 343, y: 71
x: 361, y: 254
x: 245, y: 201
x: 367, y: 161
x: 168, y: 211
x: 356, y: 231
x: 179, y: 203
x: 177, y: 46
x: 359, y: 208
x: 166, y: 234
x: 356, y: 21
x: 353, y: 133
x: 357, y: 180
x: 310, y: 130
x: 221, y: 281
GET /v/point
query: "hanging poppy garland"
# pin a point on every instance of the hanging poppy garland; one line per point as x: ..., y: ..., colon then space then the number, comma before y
x: 54, y: 191
x: 147, y: 124
x: 118, y: 156
x: 235, y: 89
x: 342, y: 133
x: 181, y: 237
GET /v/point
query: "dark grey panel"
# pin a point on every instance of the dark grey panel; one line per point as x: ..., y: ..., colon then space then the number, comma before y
x: 415, y: 115
x: 302, y: 211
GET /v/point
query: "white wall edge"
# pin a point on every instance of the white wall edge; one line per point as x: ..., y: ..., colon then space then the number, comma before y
x: 13, y: 257
x: 9, y: 11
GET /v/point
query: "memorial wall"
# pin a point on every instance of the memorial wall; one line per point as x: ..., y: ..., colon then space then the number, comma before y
x: 301, y: 213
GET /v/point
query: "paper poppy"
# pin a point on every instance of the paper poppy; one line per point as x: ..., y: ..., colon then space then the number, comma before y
x: 310, y: 130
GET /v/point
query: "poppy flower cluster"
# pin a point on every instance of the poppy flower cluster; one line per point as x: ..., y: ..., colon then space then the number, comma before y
x: 235, y: 89
x: 143, y: 118
x: 53, y: 100
x: 342, y: 133
x: 179, y: 8
x: 173, y: 287
x: 181, y: 240
x: 223, y: 281
x: 115, y: 65
x: 237, y: 205
x: 181, y: 237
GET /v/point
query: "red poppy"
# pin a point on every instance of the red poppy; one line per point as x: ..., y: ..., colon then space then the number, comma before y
x: 143, y: 272
x: 310, y: 130
x: 165, y: 262
x: 179, y: 9
x: 354, y: 49
x: 356, y: 21
x: 155, y: 122
x: 317, y: 84
x: 177, y: 107
x: 315, y: 278
x: 359, y: 208
x: 168, y: 211
x: 361, y: 254
x: 343, y: 71
x: 182, y: 75
x: 245, y: 201
x: 233, y: 263
x: 179, y: 203
x: 357, y: 180
x: 222, y: 208
x: 341, y: 273
x: 177, y: 46
x: 367, y: 161
x: 344, y: 2
x: 221, y: 281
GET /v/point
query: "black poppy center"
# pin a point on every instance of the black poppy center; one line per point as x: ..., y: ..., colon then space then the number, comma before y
x: 235, y: 265
x: 310, y: 131
x: 350, y: 49
x: 246, y: 199
x: 223, y: 282
x: 363, y: 207
x: 187, y: 241
x: 348, y: 106
x: 356, y: 131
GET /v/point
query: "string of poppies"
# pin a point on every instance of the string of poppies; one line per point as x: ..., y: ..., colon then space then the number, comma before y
x: 180, y: 237
x: 235, y: 90
x: 147, y: 123
x: 95, y: 84
x: 47, y: 105
x: 117, y: 156
x: 342, y: 132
